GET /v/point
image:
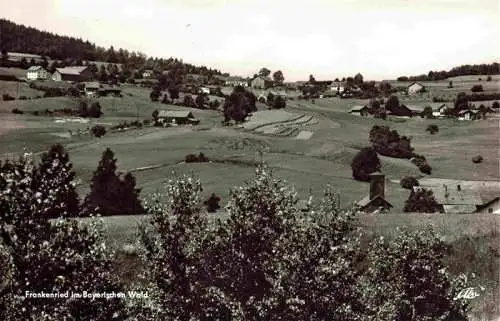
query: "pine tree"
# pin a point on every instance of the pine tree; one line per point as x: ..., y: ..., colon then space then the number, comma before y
x: 110, y: 195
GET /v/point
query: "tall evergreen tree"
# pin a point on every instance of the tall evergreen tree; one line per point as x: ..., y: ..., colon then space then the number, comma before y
x: 109, y: 194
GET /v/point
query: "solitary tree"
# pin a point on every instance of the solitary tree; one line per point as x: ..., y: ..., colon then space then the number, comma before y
x: 364, y: 163
x: 392, y: 103
x: 358, y: 79
x: 155, y: 94
x: 278, y: 77
x: 109, y: 194
x: 264, y: 72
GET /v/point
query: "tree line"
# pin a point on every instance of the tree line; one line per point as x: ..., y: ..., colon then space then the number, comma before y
x: 464, y: 70
x: 72, y: 51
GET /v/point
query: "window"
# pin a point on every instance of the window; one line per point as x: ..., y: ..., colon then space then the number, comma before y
x: 490, y: 210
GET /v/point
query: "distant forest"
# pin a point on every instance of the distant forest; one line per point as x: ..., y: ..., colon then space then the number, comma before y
x: 483, y: 69
x: 19, y: 38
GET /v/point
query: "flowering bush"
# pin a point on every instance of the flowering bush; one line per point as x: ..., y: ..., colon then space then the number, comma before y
x: 270, y: 261
x: 50, y: 256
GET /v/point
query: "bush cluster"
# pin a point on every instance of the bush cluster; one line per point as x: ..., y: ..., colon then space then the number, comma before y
x: 98, y: 131
x: 7, y: 97
x: 17, y: 111
x: 193, y: 158
x: 432, y: 129
x: 476, y: 88
x: 93, y: 112
x: 408, y: 182
x: 388, y: 142
x: 126, y: 124
x: 422, y: 164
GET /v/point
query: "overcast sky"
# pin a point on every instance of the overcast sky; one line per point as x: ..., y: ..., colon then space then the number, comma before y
x: 327, y: 38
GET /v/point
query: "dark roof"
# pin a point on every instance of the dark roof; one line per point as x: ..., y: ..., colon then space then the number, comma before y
x: 415, y: 83
x: 175, y: 114
x: 357, y: 108
x: 437, y: 106
x: 414, y: 108
x: 366, y: 200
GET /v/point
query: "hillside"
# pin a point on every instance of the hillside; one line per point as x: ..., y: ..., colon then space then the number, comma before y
x: 23, y: 39
x: 464, y: 70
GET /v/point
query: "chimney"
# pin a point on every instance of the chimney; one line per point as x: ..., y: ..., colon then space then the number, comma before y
x: 377, y: 185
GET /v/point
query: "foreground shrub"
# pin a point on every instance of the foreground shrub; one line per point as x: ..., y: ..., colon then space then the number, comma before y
x: 364, y: 163
x: 98, y: 131
x: 50, y: 257
x: 408, y: 182
x: 17, y: 111
x: 284, y: 264
x: 412, y: 282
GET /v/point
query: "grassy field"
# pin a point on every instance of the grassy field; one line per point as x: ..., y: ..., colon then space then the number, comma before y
x: 309, y: 165
x: 18, y: 89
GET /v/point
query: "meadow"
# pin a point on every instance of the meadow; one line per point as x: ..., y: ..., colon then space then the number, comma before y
x: 307, y: 164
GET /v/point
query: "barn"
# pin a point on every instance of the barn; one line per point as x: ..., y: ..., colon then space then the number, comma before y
x: 75, y: 74
x: 261, y: 82
x: 177, y: 117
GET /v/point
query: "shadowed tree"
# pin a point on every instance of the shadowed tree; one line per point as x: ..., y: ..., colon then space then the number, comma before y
x: 278, y: 77
x: 109, y: 193
x: 364, y: 163
x: 422, y: 201
x: 264, y: 72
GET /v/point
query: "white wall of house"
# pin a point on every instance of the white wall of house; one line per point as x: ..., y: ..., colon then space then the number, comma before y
x: 413, y: 89
x: 37, y: 74
x: 56, y: 76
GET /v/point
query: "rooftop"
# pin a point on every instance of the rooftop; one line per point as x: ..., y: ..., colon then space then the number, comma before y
x: 76, y: 70
x: 34, y: 68
x: 453, y: 195
x: 175, y: 114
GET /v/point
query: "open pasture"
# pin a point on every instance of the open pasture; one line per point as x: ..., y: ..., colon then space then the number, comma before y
x: 309, y: 164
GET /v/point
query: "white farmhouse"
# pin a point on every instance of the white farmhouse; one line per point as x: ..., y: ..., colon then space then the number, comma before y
x: 37, y: 72
x: 414, y: 88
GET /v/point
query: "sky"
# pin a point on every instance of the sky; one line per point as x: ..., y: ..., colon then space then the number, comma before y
x: 327, y: 38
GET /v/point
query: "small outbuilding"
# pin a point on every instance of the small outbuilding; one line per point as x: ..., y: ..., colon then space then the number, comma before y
x: 375, y: 202
x: 359, y: 110
x: 177, y: 117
